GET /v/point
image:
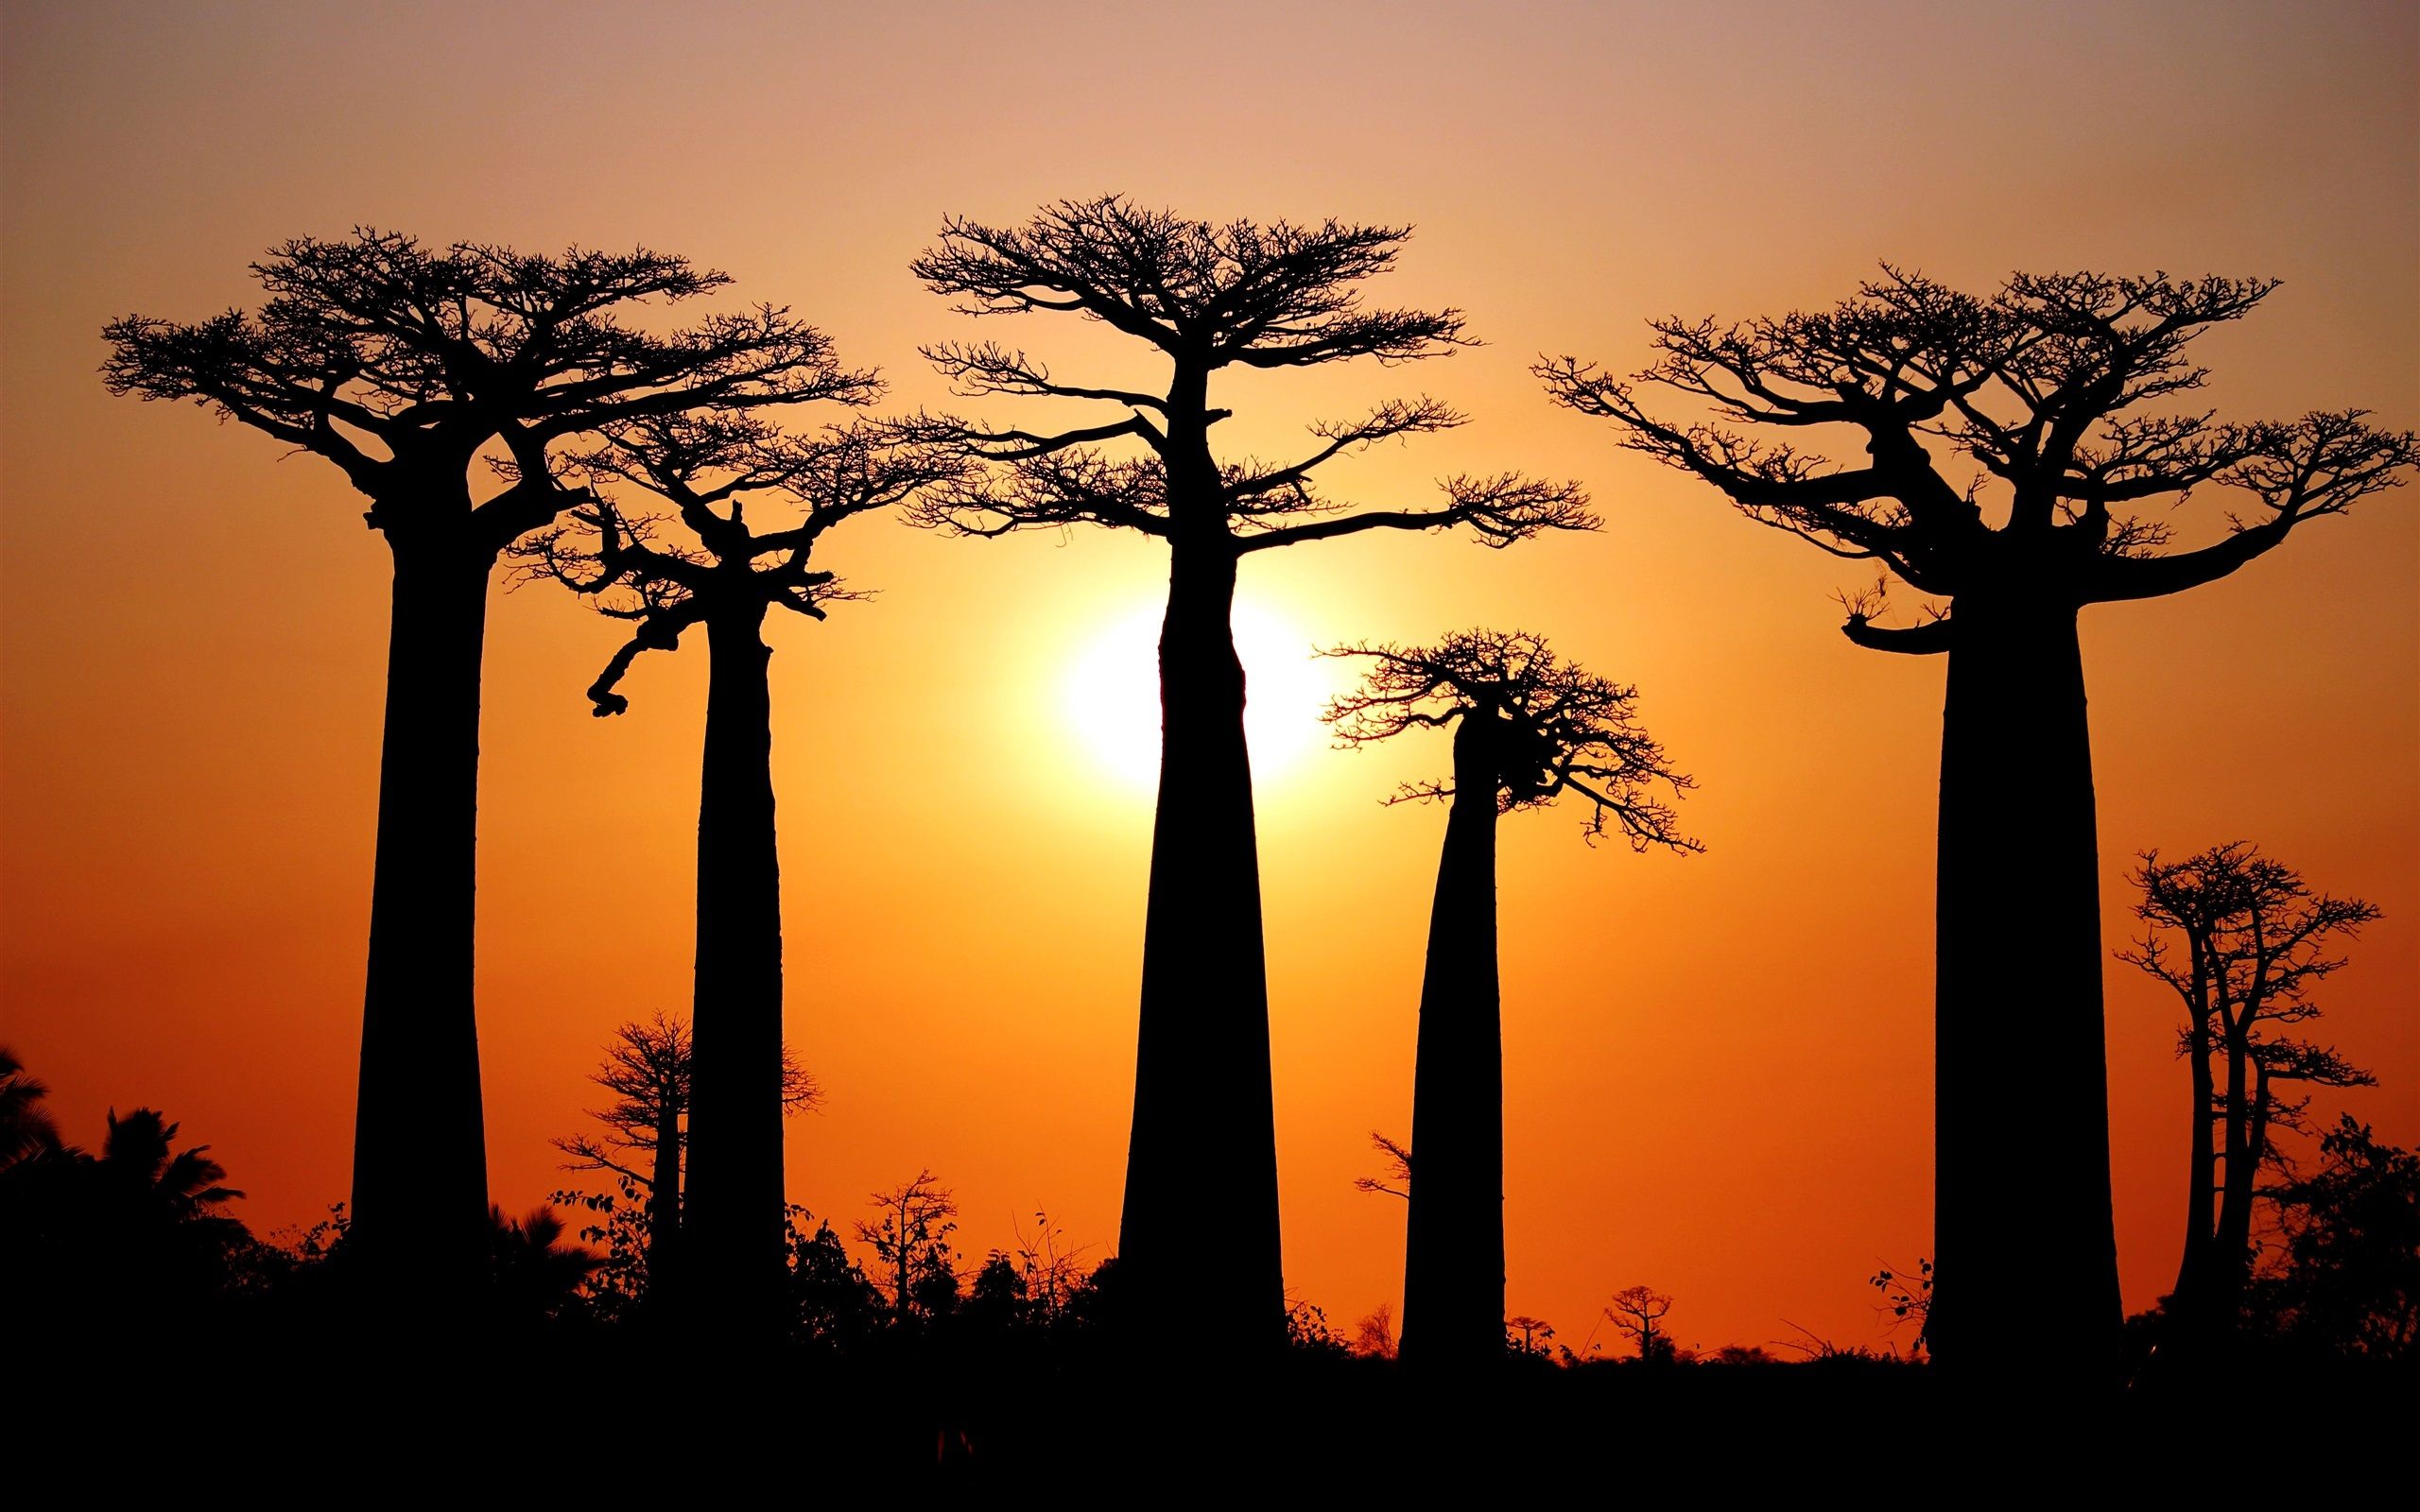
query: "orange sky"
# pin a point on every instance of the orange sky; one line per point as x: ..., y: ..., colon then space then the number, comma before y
x: 1718, y: 1067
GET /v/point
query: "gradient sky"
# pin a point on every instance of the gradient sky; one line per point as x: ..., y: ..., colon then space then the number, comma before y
x: 1718, y: 1067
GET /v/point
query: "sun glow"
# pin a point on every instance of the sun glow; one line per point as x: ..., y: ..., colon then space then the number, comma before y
x: 1112, y: 693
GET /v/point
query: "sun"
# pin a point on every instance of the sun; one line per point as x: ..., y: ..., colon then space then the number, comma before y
x: 1112, y: 693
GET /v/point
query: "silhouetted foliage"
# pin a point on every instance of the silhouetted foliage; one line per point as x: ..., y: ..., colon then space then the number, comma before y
x: 2241, y: 940
x: 1909, y: 1296
x: 1373, y: 1337
x: 1528, y: 729
x: 26, y: 1128
x: 419, y: 372
x: 1206, y: 297
x: 137, y: 1238
x: 2348, y: 1278
x: 2066, y: 394
x: 1398, y: 1169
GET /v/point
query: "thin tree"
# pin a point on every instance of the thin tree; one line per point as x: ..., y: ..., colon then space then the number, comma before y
x: 727, y: 575
x: 2068, y: 396
x: 1528, y: 729
x: 648, y: 1069
x: 1204, y: 298
x: 2243, y: 941
x: 437, y: 381
x: 911, y: 1241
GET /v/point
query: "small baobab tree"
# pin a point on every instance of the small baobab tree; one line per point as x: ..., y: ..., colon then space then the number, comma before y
x: 2064, y: 404
x: 910, y: 1242
x: 1638, y: 1312
x: 727, y: 573
x: 2243, y: 941
x: 647, y: 1070
x: 1529, y: 729
x: 439, y: 381
x: 1204, y: 298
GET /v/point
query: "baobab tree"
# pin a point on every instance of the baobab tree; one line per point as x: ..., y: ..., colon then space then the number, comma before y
x: 1638, y: 1311
x: 2243, y: 941
x: 438, y: 382
x: 649, y: 1068
x: 2070, y: 397
x: 1529, y: 729
x: 1204, y: 298
x: 910, y: 1242
x: 727, y: 575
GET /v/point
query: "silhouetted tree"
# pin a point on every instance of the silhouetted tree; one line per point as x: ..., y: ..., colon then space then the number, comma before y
x: 2350, y: 1279
x: 1206, y: 297
x: 2061, y: 392
x: 136, y: 1239
x: 911, y: 1240
x: 648, y: 1069
x: 1638, y: 1312
x: 537, y: 1275
x: 27, y: 1127
x: 727, y: 575
x: 2242, y: 940
x: 1373, y: 1337
x: 1528, y: 729
x: 832, y: 1304
x: 418, y: 372
x: 1528, y: 1338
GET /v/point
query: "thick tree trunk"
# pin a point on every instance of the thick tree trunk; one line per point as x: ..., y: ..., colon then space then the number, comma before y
x: 2200, y: 1198
x: 1198, y: 1249
x: 2024, y: 1248
x: 664, y: 1198
x: 731, y: 1228
x: 2247, y: 1142
x: 420, y: 1199
x: 1453, y: 1274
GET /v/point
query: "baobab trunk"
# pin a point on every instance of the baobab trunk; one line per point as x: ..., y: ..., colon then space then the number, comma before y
x: 2247, y: 1145
x: 1453, y: 1275
x: 420, y: 1199
x: 1198, y: 1240
x: 731, y: 1230
x: 2024, y: 1248
x: 2200, y: 1198
x: 664, y: 1194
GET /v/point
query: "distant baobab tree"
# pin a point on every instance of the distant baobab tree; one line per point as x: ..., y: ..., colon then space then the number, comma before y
x: 1638, y: 1311
x: 420, y: 373
x: 726, y: 574
x: 2243, y: 941
x: 1529, y: 729
x: 648, y: 1069
x: 2068, y: 396
x: 1205, y: 298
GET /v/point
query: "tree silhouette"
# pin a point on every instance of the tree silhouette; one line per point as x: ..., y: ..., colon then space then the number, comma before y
x: 536, y: 1274
x: 2242, y: 940
x: 1205, y: 298
x: 727, y: 576
x: 1638, y: 1312
x: 911, y: 1240
x: 649, y: 1068
x: 1528, y: 729
x: 2068, y: 394
x: 419, y: 374
x: 2350, y: 1285
x: 26, y: 1128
